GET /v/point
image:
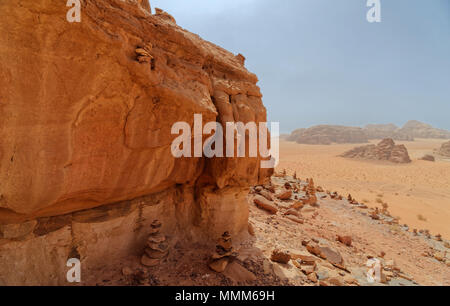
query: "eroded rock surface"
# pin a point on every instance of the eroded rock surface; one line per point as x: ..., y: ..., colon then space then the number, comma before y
x: 86, y: 137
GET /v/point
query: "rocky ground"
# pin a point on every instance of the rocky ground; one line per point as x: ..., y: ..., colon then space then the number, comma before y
x: 302, y: 235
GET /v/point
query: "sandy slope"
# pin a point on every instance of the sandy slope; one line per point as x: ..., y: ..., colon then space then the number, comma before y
x: 419, y: 188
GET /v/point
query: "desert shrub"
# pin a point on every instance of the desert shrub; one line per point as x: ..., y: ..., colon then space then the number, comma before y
x: 421, y: 218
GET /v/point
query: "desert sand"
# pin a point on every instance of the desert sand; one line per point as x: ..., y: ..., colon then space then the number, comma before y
x: 418, y: 193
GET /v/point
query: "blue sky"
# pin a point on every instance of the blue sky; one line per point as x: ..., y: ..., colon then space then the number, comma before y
x: 321, y: 62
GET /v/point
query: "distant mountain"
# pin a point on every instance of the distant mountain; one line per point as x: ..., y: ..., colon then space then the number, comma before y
x: 381, y: 131
x: 419, y: 129
x: 327, y: 134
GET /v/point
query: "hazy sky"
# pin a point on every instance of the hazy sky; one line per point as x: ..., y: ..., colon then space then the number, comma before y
x: 321, y: 62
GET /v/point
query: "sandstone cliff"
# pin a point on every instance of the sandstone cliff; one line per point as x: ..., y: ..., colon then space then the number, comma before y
x: 85, y: 153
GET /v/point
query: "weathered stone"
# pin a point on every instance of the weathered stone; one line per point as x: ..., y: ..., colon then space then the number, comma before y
x: 307, y: 269
x: 280, y: 256
x: 284, y: 195
x: 155, y: 254
x: 219, y: 265
x: 238, y: 273
x: 265, y: 204
x: 156, y: 238
x: 313, y: 277
x: 149, y: 262
x: 295, y: 219
x: 17, y: 231
x: 347, y: 240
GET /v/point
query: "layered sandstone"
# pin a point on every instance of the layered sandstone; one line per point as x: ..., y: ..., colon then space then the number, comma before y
x: 85, y: 155
x: 386, y: 150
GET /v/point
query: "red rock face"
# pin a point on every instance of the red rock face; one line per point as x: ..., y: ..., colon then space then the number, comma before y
x: 85, y: 123
x: 386, y: 150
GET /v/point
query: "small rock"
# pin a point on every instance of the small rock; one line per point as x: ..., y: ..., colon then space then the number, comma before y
x: 280, y: 256
x: 347, y: 240
x: 219, y: 265
x: 265, y: 204
x: 307, y: 269
x: 251, y: 230
x: 334, y: 281
x: 295, y: 219
x: 238, y: 273
x: 313, y: 277
x: 126, y: 271
x: 284, y: 195
x: 439, y: 256
x: 149, y: 262
x: 291, y: 212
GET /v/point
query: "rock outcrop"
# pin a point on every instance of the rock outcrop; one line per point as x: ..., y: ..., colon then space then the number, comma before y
x: 445, y: 149
x: 328, y: 134
x: 87, y: 113
x: 386, y: 150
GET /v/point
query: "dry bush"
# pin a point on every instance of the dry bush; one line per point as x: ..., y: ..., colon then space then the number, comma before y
x: 421, y: 218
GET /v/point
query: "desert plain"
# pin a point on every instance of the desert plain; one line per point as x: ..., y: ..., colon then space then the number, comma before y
x: 418, y: 193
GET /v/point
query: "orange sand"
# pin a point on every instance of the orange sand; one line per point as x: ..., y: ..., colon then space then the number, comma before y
x: 420, y: 188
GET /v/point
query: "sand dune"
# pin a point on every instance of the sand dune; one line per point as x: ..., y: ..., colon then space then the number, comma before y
x: 421, y: 188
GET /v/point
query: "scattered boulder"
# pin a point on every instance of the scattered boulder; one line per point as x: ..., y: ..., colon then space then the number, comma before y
x: 238, y: 273
x: 313, y: 277
x: 331, y: 256
x: 284, y: 195
x: 295, y: 219
x: 347, y: 240
x: 280, y: 256
x: 265, y: 204
x: 428, y: 157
